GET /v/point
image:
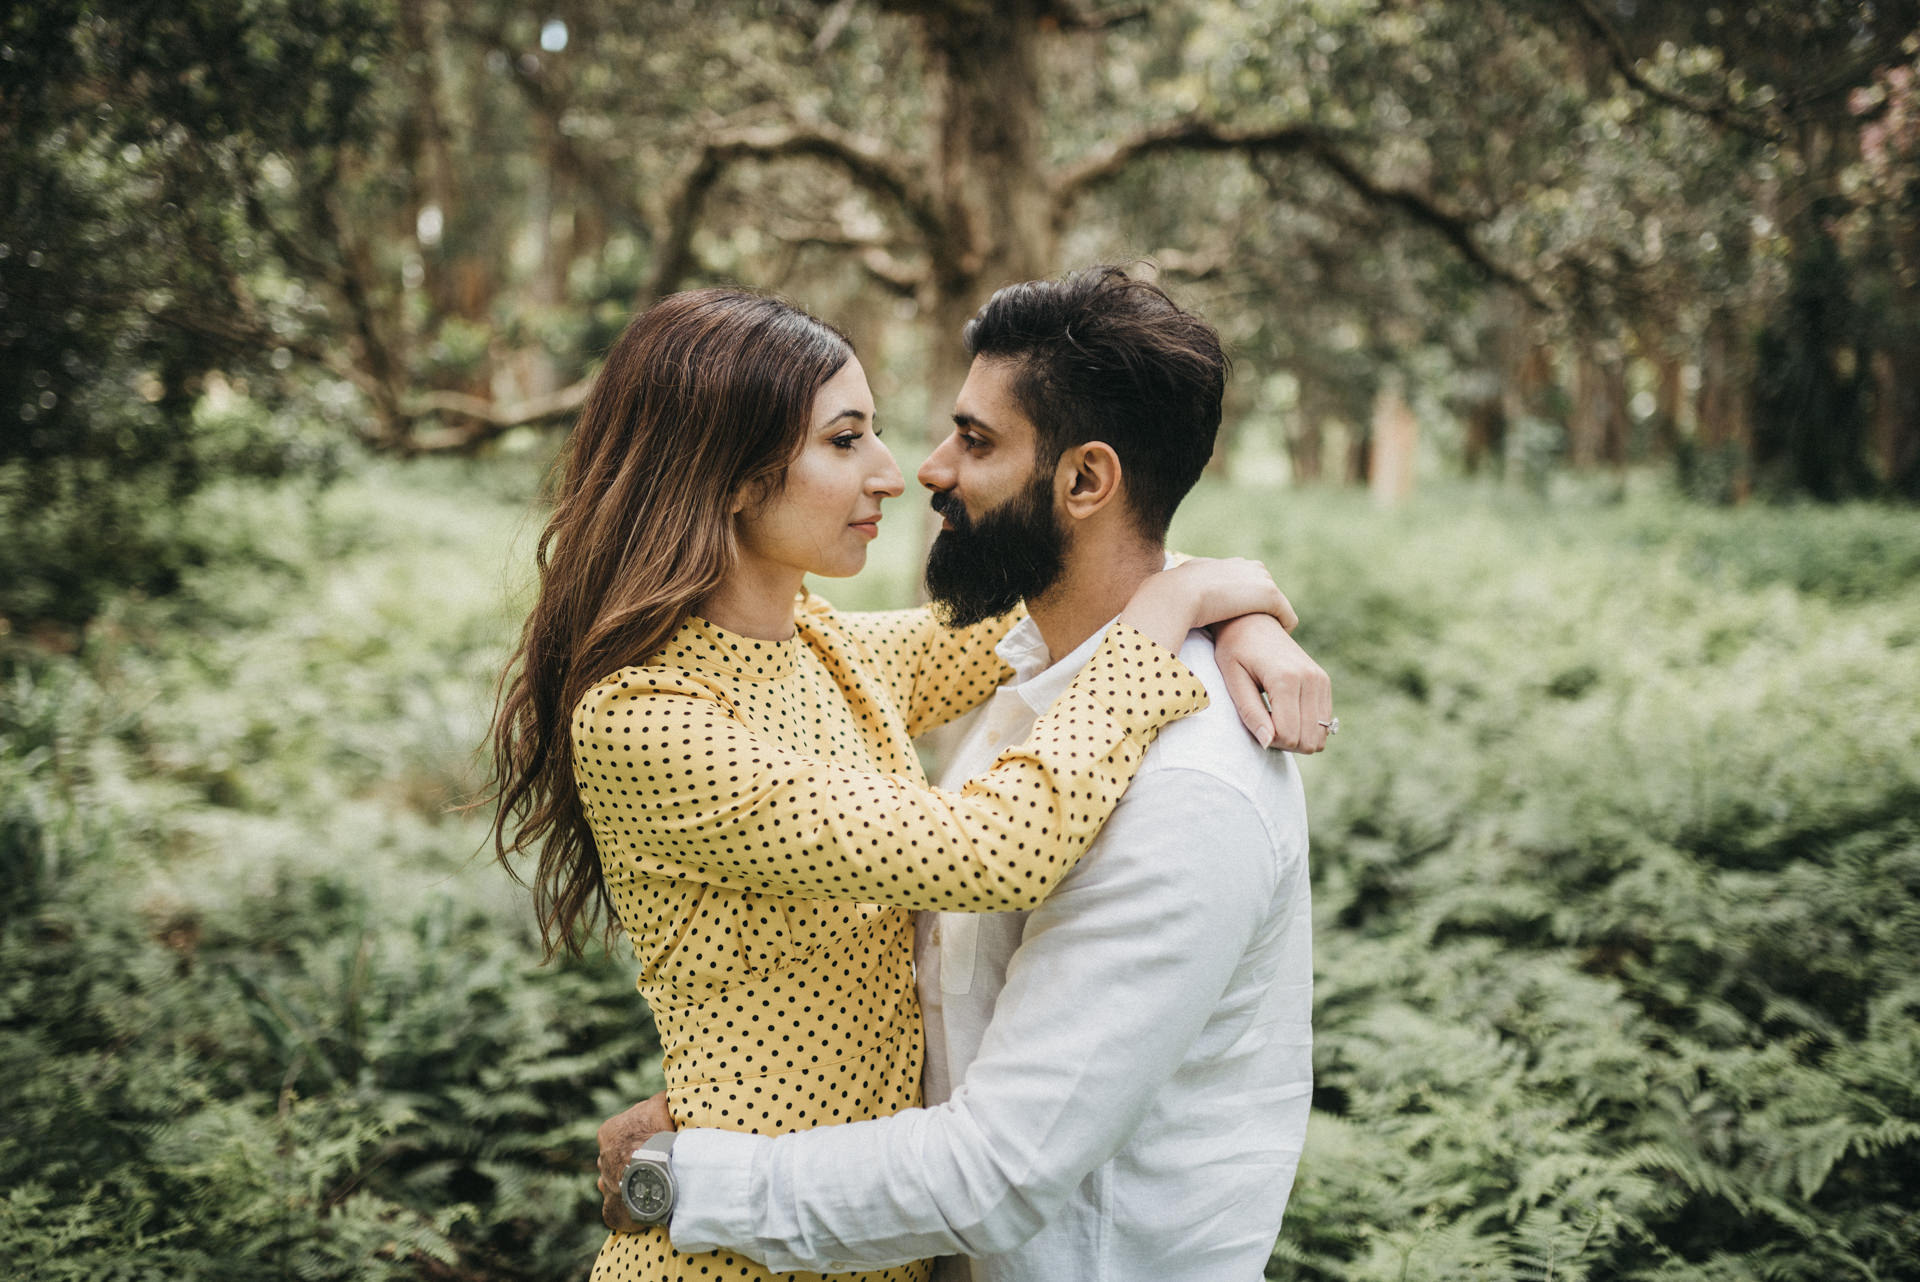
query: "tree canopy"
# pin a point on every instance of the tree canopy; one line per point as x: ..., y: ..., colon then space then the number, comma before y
x: 1570, y: 232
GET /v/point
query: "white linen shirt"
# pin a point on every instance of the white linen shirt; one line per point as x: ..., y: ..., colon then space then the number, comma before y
x: 1133, y: 1056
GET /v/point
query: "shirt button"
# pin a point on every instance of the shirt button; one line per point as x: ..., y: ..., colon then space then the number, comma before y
x: 934, y: 938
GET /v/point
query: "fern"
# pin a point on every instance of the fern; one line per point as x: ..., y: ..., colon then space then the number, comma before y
x: 1617, y: 904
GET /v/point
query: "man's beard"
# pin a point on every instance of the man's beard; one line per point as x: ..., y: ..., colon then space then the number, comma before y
x: 981, y: 569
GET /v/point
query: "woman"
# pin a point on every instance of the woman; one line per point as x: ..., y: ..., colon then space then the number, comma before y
x: 690, y: 740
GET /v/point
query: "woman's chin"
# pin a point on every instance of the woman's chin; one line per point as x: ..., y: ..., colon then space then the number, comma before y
x: 842, y: 569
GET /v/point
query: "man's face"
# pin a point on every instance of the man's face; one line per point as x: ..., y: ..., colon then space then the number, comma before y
x: 1000, y: 540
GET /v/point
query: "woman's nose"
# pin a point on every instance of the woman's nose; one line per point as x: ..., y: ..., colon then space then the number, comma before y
x: 887, y: 480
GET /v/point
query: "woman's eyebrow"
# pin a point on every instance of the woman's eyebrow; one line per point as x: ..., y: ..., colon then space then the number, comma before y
x: 845, y: 413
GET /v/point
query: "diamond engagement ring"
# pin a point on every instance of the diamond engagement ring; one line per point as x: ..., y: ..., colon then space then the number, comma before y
x: 1333, y: 726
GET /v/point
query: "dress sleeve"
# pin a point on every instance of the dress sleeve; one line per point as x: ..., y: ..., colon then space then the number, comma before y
x: 934, y: 673
x: 677, y: 786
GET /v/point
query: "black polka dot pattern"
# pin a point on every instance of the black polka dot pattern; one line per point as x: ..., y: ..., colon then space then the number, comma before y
x: 755, y: 803
x: 933, y: 674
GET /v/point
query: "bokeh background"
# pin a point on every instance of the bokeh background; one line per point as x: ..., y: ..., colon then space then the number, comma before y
x: 1577, y: 407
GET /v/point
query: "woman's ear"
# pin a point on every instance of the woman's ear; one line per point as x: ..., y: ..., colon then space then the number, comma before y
x: 751, y: 493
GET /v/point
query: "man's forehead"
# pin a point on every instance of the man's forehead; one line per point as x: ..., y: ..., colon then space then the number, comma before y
x: 986, y: 402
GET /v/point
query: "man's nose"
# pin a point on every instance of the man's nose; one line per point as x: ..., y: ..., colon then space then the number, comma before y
x: 937, y: 472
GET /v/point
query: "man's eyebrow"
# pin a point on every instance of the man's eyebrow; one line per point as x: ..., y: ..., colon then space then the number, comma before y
x: 962, y: 419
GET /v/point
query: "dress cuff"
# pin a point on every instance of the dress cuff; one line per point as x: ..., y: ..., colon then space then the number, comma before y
x: 1140, y: 683
x: 713, y: 1175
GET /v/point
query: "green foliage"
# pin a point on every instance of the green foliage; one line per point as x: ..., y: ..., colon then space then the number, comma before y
x: 1618, y: 886
x: 1617, y: 880
x: 263, y: 1014
x: 129, y: 271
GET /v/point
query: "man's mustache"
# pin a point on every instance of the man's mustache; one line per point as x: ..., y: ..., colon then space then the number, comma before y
x: 946, y: 503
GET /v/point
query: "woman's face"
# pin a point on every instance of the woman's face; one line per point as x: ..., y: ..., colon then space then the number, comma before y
x: 829, y: 509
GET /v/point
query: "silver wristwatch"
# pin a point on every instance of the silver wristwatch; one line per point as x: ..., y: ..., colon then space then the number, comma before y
x: 646, y: 1186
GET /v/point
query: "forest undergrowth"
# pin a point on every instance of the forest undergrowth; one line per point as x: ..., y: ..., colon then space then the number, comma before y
x: 1616, y: 875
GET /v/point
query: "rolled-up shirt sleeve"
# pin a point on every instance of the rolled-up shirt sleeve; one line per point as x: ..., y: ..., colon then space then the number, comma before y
x: 1116, y: 975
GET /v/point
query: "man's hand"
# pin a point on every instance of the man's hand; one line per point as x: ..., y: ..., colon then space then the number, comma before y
x: 1256, y: 658
x: 619, y: 1136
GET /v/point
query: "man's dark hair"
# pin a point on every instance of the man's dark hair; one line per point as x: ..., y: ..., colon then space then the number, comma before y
x: 1104, y: 357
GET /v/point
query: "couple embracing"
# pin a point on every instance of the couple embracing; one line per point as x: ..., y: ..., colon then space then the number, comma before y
x: 1048, y: 1020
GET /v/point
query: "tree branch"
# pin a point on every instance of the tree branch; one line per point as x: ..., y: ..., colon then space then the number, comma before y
x: 1629, y: 68
x: 1107, y: 161
x: 1190, y: 264
x: 1057, y: 15
x: 868, y: 163
x: 373, y: 369
x: 875, y: 258
x: 892, y: 275
x: 480, y: 421
x: 830, y: 29
x: 1454, y: 226
x: 1066, y: 15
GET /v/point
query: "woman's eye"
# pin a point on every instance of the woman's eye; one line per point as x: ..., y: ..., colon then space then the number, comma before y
x: 845, y: 440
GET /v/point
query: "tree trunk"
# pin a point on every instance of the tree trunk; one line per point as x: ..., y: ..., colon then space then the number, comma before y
x: 1306, y: 444
x: 1896, y: 434
x: 1725, y: 435
x: 984, y: 78
x: 1617, y: 424
x: 1896, y: 376
x: 1486, y: 427
x: 1393, y: 445
x: 1584, y: 419
x: 1357, y: 458
x: 984, y: 84
x: 1669, y: 396
x: 1598, y: 427
x: 1526, y: 375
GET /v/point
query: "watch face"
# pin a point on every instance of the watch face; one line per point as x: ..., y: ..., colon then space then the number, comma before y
x: 648, y: 1193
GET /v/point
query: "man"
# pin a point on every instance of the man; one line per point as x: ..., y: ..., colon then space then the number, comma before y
x: 1117, y: 1083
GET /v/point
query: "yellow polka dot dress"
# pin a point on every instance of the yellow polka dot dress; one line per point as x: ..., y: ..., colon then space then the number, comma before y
x: 757, y: 803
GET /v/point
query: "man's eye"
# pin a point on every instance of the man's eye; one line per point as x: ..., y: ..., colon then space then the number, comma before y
x: 969, y: 442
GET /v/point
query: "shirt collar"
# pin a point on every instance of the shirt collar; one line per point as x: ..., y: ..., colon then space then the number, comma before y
x: 1036, y: 676
x: 1037, y: 679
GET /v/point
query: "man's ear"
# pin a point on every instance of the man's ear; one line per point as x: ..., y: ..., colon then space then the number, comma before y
x: 1087, y: 478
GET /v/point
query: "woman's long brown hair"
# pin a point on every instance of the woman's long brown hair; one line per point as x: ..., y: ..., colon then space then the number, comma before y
x: 706, y: 395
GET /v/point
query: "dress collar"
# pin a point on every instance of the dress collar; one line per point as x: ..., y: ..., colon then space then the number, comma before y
x: 701, y: 644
